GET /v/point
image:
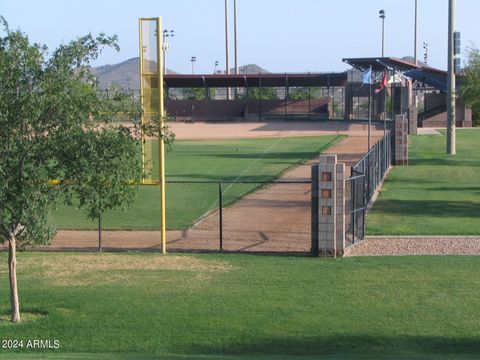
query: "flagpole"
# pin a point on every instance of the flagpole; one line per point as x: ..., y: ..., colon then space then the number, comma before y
x: 385, y: 93
x: 385, y: 105
x: 369, y: 112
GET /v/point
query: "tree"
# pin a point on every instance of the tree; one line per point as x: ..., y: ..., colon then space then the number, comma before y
x: 264, y: 93
x: 470, y: 83
x: 198, y: 93
x: 51, y: 127
x: 110, y: 157
x: 298, y: 93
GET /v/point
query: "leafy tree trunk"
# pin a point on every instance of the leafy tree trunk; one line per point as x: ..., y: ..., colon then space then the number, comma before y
x: 12, y: 271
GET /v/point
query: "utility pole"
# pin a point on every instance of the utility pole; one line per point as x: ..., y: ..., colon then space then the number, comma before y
x: 235, y: 34
x: 227, y: 62
x: 451, y: 118
x: 415, y: 36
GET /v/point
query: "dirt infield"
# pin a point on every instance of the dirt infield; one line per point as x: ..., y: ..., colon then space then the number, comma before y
x: 274, y: 218
x: 228, y: 130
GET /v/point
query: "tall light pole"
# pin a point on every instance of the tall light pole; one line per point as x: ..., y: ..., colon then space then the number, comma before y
x: 227, y: 62
x: 235, y: 34
x: 165, y: 47
x: 425, y: 54
x: 381, y: 14
x: 451, y: 144
x: 193, y: 60
x: 415, y: 35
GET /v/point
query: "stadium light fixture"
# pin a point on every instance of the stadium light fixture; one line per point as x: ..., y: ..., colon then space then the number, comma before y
x: 193, y: 60
x: 165, y: 47
x: 381, y: 15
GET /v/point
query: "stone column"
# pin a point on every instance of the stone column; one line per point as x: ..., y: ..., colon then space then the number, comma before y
x: 400, y: 153
x: 331, y: 226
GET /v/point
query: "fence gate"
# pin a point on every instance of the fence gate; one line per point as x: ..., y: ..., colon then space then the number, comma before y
x: 355, y: 207
x: 360, y: 188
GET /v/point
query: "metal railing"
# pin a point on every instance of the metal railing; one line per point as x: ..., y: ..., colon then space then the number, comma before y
x: 367, y: 174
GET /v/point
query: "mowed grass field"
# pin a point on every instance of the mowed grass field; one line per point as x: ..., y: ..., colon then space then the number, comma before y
x: 249, y: 160
x: 436, y: 194
x: 215, y: 306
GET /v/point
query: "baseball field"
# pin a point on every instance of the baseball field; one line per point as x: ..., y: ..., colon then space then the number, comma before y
x: 254, y: 153
x: 199, y: 165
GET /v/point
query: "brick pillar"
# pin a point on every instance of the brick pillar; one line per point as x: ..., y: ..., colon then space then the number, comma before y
x: 412, y: 120
x: 400, y: 153
x: 331, y: 227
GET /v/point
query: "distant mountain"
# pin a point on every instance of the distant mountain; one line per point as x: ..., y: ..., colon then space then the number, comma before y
x: 126, y: 73
x: 246, y: 69
x: 411, y: 60
x: 250, y: 69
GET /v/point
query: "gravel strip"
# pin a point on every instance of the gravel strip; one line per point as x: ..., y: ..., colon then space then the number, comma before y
x: 416, y: 245
x: 428, y: 131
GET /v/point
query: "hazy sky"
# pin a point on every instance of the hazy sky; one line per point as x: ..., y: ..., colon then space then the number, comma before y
x: 279, y: 35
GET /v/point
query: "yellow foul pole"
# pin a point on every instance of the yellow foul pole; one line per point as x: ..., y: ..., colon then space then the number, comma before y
x: 151, y: 78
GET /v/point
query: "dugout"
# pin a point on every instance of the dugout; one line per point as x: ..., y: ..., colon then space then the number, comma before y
x: 255, y: 97
x: 418, y: 91
x: 394, y: 100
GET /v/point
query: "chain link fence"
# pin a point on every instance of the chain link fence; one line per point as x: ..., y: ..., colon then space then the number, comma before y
x: 271, y: 217
x: 367, y: 175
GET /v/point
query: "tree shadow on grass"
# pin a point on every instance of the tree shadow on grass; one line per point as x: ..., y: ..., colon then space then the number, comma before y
x: 349, y: 345
x: 444, y: 162
x: 269, y: 155
x: 429, y: 208
x: 474, y: 190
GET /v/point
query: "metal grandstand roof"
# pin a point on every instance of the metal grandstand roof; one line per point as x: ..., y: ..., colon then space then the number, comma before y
x: 380, y: 64
x: 255, y: 80
x: 432, y: 77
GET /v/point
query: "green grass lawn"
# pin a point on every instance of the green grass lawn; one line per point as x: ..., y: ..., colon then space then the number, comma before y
x: 215, y: 306
x: 238, y: 160
x: 437, y: 194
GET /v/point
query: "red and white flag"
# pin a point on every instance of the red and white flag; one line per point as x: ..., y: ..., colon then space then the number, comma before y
x: 383, y: 84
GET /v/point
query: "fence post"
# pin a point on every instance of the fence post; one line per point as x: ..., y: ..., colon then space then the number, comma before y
x: 364, y: 205
x: 220, y: 214
x: 100, y: 232
x: 354, y: 207
x: 314, y: 211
